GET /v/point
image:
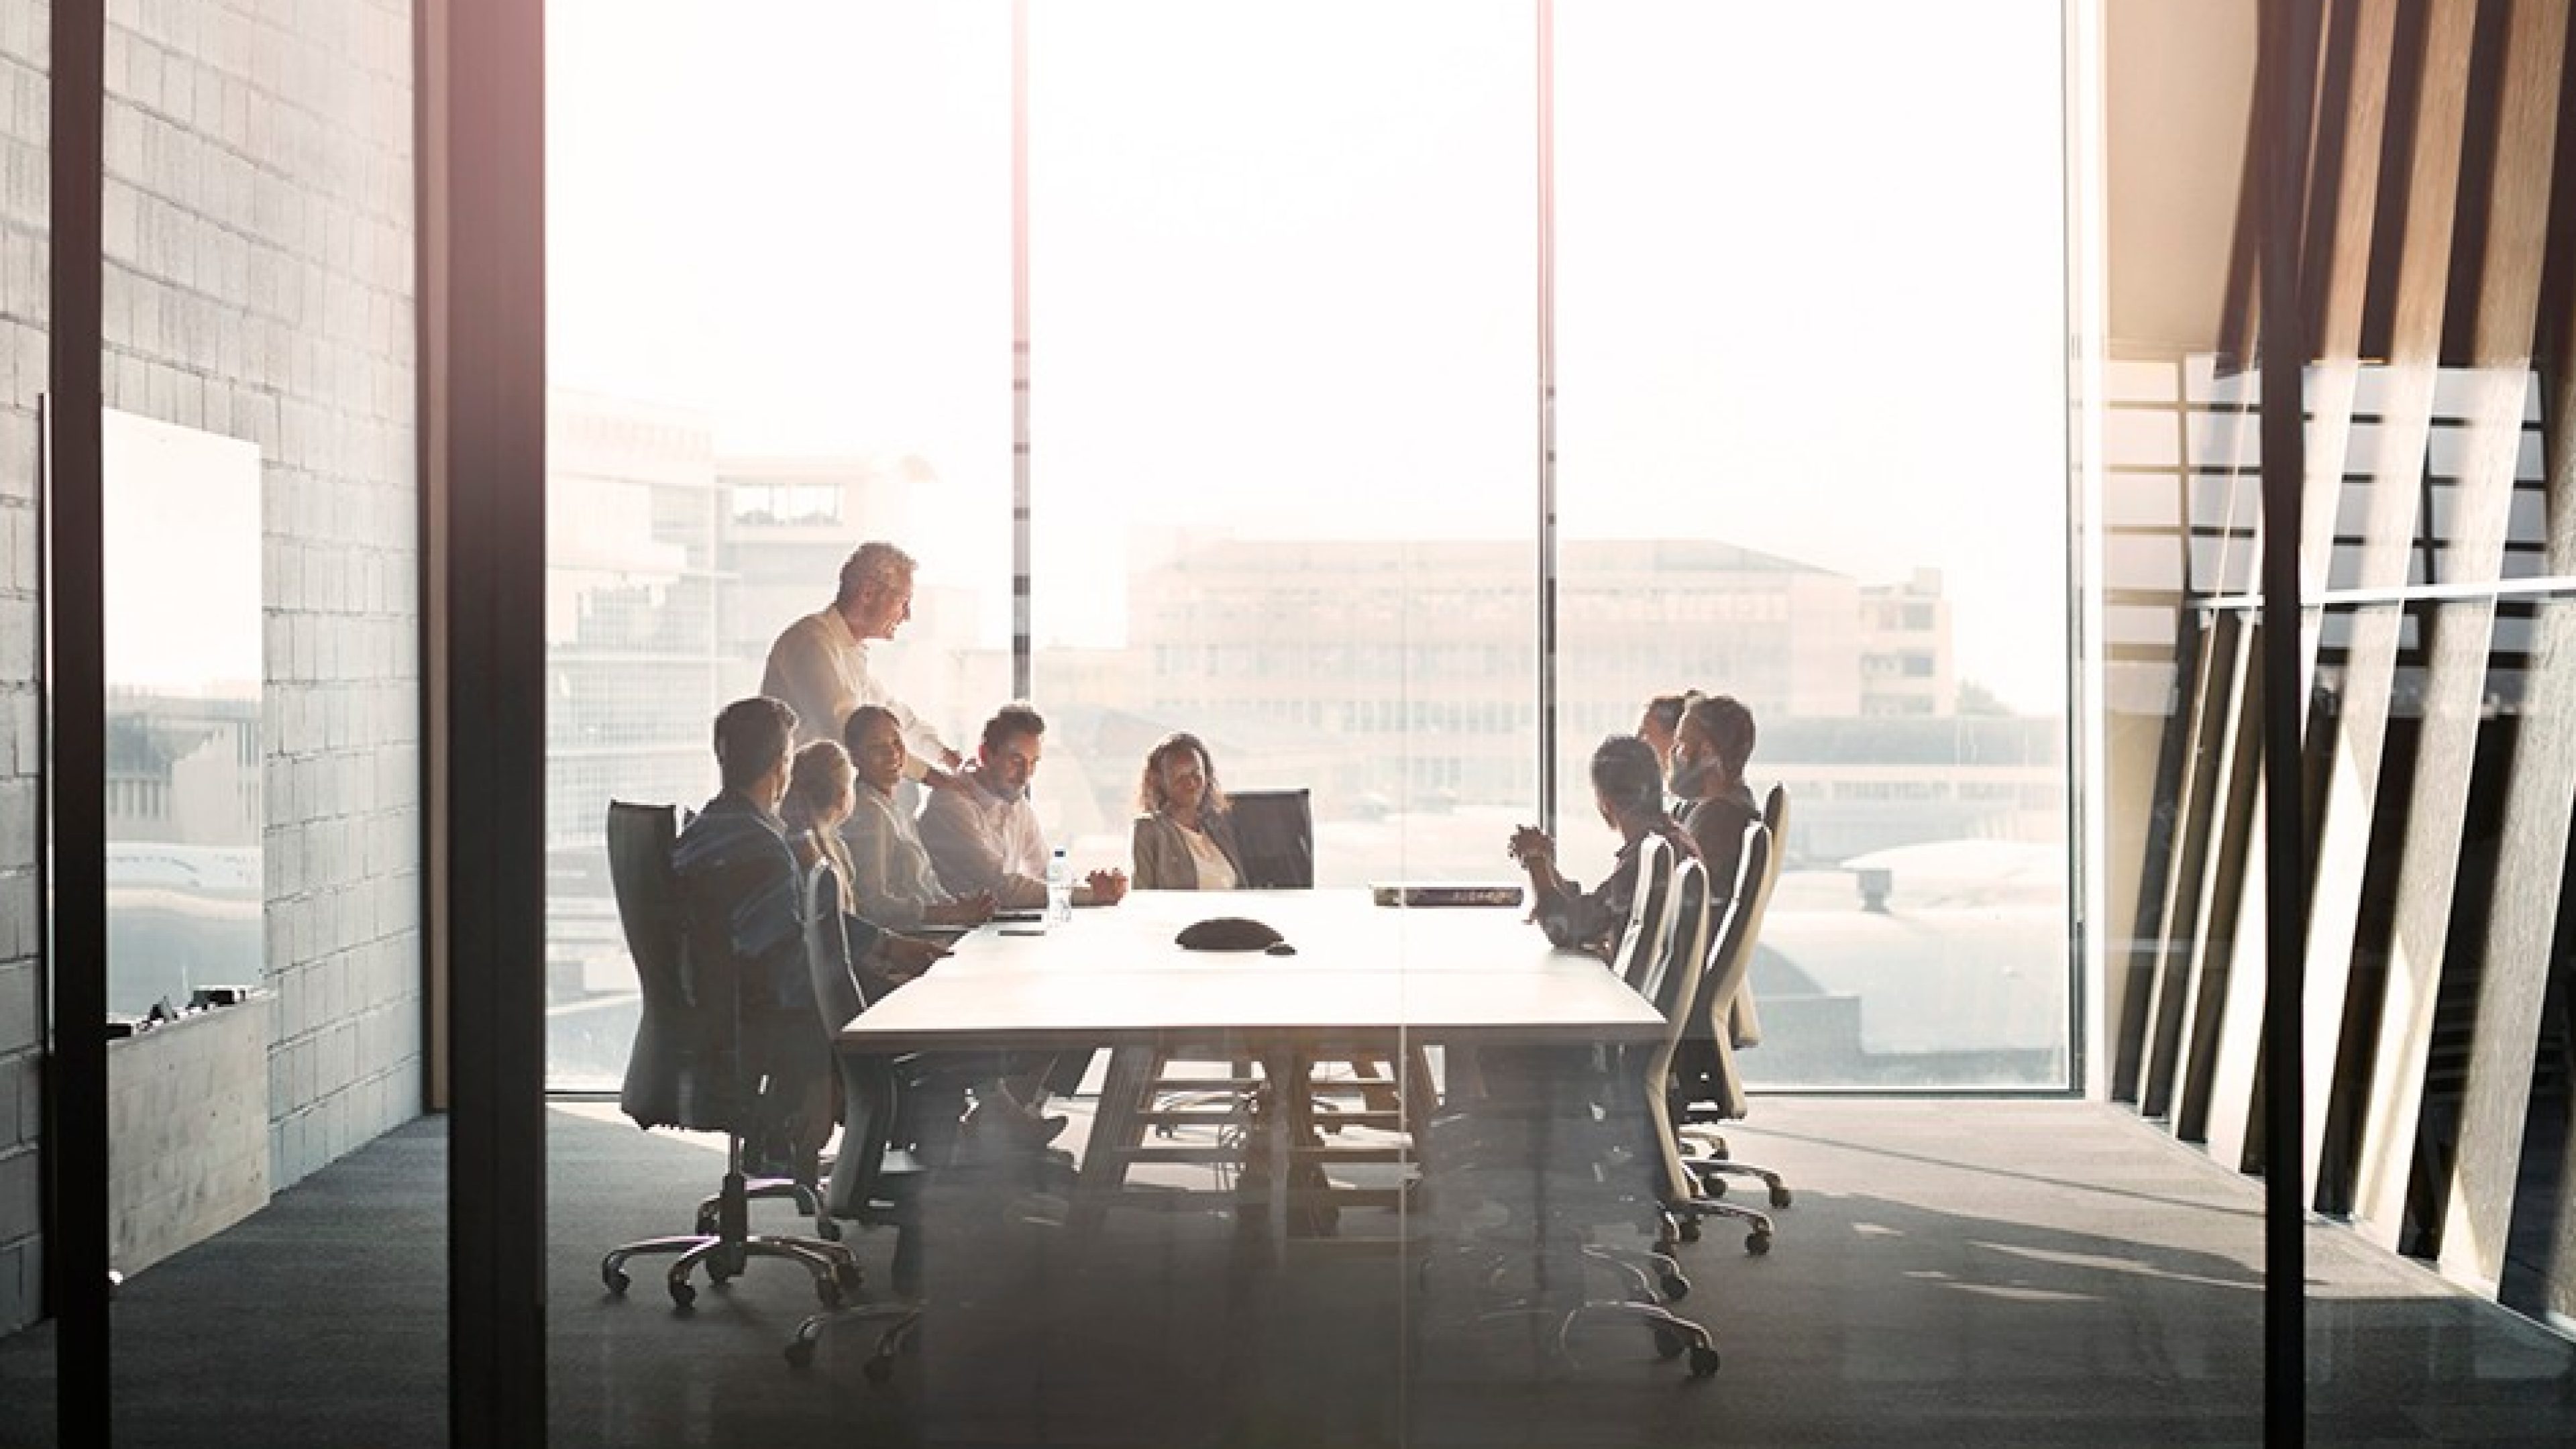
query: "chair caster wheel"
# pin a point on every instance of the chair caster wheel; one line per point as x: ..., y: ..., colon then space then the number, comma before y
x: 684, y: 1296
x: 800, y: 1353
x: 1780, y: 1197
x: 615, y: 1278
x: 878, y: 1370
x: 1703, y: 1361
x: 1668, y: 1343
x: 1757, y: 1244
x: 1675, y: 1286
x: 1690, y: 1230
x: 827, y: 1227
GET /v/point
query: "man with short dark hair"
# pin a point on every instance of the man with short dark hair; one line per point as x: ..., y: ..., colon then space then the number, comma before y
x: 1710, y: 749
x: 819, y: 664
x: 739, y: 896
x: 984, y: 837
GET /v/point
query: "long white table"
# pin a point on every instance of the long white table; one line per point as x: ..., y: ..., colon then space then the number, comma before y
x: 1114, y: 977
x: 1366, y: 980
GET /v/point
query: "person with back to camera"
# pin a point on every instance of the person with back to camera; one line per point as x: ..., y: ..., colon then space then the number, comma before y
x: 739, y: 882
x: 1184, y: 840
x: 890, y: 875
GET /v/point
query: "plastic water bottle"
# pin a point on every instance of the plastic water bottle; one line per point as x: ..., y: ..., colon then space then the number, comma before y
x: 1059, y: 888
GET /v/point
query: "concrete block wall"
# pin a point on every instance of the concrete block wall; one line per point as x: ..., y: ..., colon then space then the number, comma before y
x: 258, y: 220
x: 187, y: 1131
x: 24, y: 48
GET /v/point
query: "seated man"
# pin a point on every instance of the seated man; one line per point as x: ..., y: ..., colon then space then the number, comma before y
x: 739, y: 892
x: 1628, y: 790
x: 890, y: 876
x: 984, y: 838
x: 1709, y: 753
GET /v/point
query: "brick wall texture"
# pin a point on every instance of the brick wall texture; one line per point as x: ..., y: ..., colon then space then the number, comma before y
x: 258, y: 219
x: 23, y: 307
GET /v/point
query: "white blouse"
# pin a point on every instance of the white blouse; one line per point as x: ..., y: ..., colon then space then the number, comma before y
x: 1215, y: 872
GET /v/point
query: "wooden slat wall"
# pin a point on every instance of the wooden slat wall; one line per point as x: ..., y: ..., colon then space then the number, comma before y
x: 2443, y: 175
x: 2493, y: 396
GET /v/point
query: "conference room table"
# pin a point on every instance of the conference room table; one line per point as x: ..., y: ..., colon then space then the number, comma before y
x: 1365, y: 980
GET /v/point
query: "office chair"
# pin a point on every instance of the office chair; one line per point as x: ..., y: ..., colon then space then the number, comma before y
x: 1692, y: 1188
x: 876, y: 1183
x: 1708, y: 1089
x: 1580, y: 1144
x: 686, y: 1071
x: 1274, y: 834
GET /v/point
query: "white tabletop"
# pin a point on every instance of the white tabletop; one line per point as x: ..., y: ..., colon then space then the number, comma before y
x: 1362, y: 972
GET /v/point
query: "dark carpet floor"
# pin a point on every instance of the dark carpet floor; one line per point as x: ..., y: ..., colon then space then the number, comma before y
x: 1988, y: 1273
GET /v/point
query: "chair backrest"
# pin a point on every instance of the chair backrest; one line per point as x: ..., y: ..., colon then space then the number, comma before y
x: 685, y: 1067
x: 1743, y: 1022
x: 1274, y: 833
x: 1675, y: 995
x: 1731, y: 961
x: 648, y: 908
x: 1650, y: 916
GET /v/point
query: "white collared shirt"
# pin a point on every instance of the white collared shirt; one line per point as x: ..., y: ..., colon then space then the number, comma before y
x: 820, y: 669
x: 979, y: 841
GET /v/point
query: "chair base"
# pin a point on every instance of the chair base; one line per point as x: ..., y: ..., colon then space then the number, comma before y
x: 902, y: 1336
x: 835, y: 1271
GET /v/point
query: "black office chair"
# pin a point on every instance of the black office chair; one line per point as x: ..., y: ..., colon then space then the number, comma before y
x: 1274, y: 834
x: 687, y: 1070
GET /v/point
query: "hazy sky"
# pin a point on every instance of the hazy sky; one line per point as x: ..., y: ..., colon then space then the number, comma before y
x: 1283, y: 255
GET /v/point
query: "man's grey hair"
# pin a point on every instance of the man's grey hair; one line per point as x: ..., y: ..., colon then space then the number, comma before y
x: 877, y: 565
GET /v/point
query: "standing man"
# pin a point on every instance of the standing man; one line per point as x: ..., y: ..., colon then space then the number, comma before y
x: 819, y: 665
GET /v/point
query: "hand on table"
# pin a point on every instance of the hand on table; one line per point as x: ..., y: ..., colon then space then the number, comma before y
x: 1108, y: 887
x: 972, y: 910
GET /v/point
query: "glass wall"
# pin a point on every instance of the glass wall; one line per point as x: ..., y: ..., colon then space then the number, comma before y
x: 761, y: 359
x: 1824, y: 474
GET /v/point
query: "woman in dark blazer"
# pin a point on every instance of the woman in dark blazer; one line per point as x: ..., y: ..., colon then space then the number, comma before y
x: 1183, y: 840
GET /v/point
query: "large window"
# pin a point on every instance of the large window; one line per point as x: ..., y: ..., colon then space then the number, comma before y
x: 761, y: 358
x: 1811, y: 427
x: 1283, y: 364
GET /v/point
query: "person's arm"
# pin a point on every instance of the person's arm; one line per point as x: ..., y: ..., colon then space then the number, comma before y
x: 925, y: 755
x: 1153, y: 863
x: 1568, y: 916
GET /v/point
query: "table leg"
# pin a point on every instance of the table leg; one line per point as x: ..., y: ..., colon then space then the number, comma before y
x: 1114, y: 1129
